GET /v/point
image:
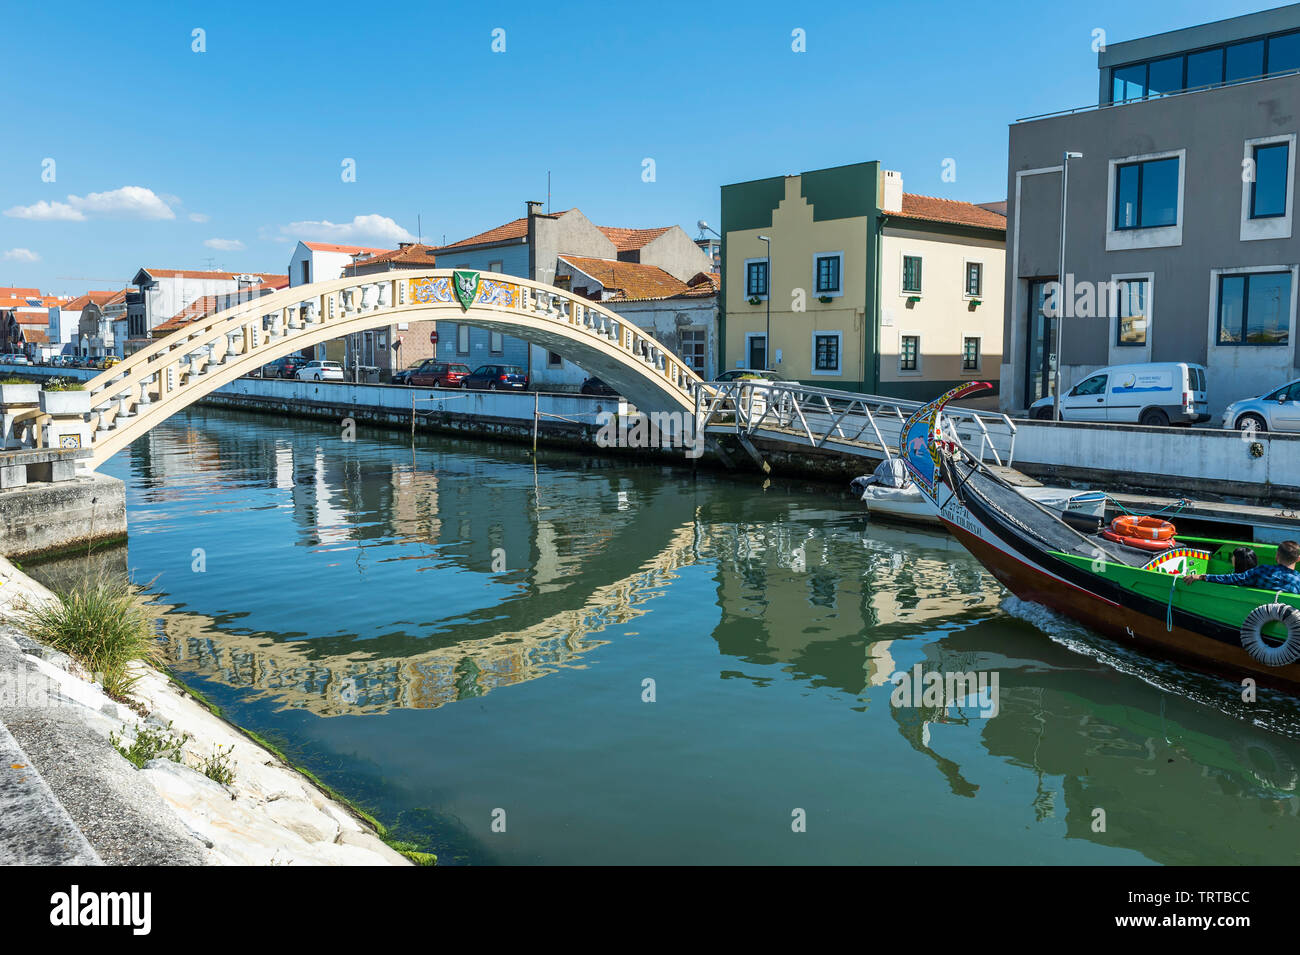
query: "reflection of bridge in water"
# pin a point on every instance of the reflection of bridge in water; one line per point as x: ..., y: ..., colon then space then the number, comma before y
x: 574, y: 593
x: 353, y: 681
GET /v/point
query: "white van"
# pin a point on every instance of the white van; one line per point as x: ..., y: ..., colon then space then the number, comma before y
x: 1160, y: 393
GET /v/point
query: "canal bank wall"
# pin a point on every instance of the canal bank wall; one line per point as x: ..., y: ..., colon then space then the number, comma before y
x: 68, y: 796
x: 1206, y: 462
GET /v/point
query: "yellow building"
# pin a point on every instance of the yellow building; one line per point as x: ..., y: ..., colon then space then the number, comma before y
x: 867, y: 288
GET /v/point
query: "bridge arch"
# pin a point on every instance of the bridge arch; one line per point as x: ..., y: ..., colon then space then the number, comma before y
x: 194, y: 360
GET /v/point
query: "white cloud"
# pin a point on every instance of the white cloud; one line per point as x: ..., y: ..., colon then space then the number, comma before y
x: 369, y: 228
x: 46, y: 211
x: 199, y: 217
x: 134, y: 202
x: 128, y: 202
x: 22, y: 255
x: 224, y: 245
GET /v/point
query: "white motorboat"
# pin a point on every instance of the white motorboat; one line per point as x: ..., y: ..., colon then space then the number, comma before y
x: 890, y: 493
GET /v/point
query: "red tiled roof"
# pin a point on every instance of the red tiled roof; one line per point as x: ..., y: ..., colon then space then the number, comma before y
x: 629, y: 281
x: 331, y: 247
x: 7, y: 291
x: 41, y: 318
x: 35, y: 336
x: 931, y: 209
x: 514, y: 229
x: 703, y: 284
x: 80, y: 302
x: 628, y: 240
x: 413, y: 254
x: 190, y: 313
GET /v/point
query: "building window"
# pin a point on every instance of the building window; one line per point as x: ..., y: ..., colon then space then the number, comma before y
x: 462, y: 339
x: 826, y: 353
x: 755, y: 277
x: 553, y: 360
x: 909, y: 353
x: 494, y: 266
x: 1255, y: 308
x: 827, y: 277
x: 970, y: 353
x: 1132, y: 311
x: 1260, y: 56
x: 496, y: 343
x: 974, y: 279
x: 912, y: 274
x: 306, y: 273
x: 1146, y: 194
x: 1268, y: 190
x: 693, y: 349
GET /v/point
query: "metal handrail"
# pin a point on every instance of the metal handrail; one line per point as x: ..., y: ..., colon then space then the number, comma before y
x: 819, y: 415
x: 1091, y: 107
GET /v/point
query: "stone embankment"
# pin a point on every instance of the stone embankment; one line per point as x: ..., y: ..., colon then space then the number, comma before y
x: 68, y: 796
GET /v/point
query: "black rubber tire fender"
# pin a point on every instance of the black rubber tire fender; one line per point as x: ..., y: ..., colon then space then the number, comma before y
x: 1252, y: 639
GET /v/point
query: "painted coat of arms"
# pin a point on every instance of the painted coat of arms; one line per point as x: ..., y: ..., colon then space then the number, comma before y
x: 465, y: 284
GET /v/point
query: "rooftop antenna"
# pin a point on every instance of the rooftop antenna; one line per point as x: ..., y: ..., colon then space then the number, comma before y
x: 419, y: 230
x: 548, y: 192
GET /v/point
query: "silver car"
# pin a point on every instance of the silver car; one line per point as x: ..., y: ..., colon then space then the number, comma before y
x: 1276, y: 410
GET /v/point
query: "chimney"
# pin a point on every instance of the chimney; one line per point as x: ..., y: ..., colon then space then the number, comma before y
x: 891, y: 191
x: 534, y: 208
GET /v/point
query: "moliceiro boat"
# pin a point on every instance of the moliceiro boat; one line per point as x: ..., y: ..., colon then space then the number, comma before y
x: 1127, y: 581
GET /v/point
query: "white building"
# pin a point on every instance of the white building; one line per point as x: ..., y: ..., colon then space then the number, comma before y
x: 320, y: 261
x: 161, y: 293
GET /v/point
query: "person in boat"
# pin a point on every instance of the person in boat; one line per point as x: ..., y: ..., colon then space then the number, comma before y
x: 1281, y: 576
x: 1244, y: 559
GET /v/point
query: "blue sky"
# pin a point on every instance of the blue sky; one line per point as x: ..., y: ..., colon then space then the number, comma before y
x: 235, y: 151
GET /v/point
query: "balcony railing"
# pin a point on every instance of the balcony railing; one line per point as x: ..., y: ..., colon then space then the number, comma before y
x: 1146, y: 99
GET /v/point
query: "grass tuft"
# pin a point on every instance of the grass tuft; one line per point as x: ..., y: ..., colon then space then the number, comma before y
x: 150, y: 744
x: 217, y: 767
x: 100, y: 624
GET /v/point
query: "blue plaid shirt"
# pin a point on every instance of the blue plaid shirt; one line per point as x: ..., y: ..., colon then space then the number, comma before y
x: 1265, y: 577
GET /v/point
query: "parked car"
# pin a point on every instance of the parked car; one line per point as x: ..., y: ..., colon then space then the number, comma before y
x: 439, y: 374
x: 403, y: 377
x: 496, y: 378
x: 108, y: 361
x: 1276, y: 410
x: 734, y: 373
x: 17, y: 358
x: 286, y: 367
x: 594, y: 386
x: 321, y: 371
x: 1159, y: 393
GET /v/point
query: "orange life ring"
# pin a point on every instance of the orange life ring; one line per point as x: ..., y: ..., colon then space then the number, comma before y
x: 1140, y: 543
x: 1145, y: 528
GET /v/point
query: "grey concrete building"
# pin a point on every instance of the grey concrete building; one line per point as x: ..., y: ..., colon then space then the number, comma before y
x: 1179, y: 242
x: 530, y: 247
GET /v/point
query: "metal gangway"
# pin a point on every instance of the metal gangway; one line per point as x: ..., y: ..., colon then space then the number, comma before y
x: 844, y: 421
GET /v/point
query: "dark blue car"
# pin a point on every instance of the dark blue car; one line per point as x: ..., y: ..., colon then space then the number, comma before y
x: 496, y: 378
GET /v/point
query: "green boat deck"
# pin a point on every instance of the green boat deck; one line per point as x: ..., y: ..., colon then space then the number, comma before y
x: 1224, y: 603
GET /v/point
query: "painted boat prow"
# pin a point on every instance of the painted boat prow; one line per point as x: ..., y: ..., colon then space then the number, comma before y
x: 918, y: 440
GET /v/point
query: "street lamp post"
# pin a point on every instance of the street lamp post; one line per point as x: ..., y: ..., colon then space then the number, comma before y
x: 1060, y: 283
x: 767, y: 336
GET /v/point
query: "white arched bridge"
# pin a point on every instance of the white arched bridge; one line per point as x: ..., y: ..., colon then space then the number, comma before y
x: 192, y: 361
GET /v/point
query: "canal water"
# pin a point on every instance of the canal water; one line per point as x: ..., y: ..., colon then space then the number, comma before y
x: 581, y: 660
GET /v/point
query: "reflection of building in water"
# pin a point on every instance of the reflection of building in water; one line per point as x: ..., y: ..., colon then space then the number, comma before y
x: 357, y: 682
x: 786, y: 598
